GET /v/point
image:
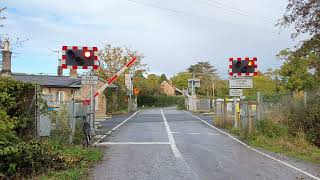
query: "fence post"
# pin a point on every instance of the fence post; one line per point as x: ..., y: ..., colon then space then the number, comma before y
x: 249, y: 119
x: 215, y: 111
x: 225, y: 113
x: 259, y: 108
x: 72, y: 119
x: 235, y: 113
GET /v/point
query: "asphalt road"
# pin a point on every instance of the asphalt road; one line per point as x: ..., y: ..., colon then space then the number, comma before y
x: 168, y: 144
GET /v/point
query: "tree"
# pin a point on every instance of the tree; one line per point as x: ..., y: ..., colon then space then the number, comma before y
x: 162, y: 78
x: 112, y: 59
x: 221, y: 88
x: 153, y: 84
x: 305, y: 16
x: 207, y: 75
x: 262, y: 83
x: 201, y: 69
x: 296, y: 73
x: 180, y: 80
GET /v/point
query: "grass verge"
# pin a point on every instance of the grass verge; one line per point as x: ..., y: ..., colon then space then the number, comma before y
x: 296, y: 147
x: 88, y: 157
x: 275, y: 138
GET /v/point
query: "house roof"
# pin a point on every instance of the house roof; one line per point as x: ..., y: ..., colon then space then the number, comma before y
x: 47, y: 80
x: 52, y: 81
x: 165, y: 82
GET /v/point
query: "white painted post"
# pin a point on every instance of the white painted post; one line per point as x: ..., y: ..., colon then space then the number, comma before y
x: 235, y: 113
x: 259, y: 109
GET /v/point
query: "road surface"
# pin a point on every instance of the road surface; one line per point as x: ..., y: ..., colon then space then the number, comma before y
x: 169, y: 144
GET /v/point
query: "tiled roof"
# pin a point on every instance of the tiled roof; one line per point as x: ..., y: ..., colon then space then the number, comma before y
x: 46, y: 80
x: 52, y: 81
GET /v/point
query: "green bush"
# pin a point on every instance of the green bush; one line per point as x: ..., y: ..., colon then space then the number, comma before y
x: 29, y: 158
x: 19, y: 154
x: 271, y: 129
x: 160, y: 100
x: 306, y: 120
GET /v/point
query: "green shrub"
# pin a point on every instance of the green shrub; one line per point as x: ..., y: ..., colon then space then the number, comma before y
x: 21, y: 156
x: 271, y: 129
x: 28, y: 158
x: 79, y: 136
x: 62, y: 132
x: 16, y: 103
x: 307, y: 120
x: 160, y: 100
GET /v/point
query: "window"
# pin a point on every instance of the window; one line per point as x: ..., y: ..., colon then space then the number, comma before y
x: 60, y: 96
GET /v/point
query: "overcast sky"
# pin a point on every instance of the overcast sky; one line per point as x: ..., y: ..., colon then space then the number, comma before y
x: 171, y: 33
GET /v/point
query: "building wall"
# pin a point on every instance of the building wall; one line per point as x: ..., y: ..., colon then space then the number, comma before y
x: 167, y: 89
x: 80, y: 95
x: 100, y: 100
x: 53, y: 94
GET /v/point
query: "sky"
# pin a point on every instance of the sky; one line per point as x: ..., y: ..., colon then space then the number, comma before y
x: 172, y: 34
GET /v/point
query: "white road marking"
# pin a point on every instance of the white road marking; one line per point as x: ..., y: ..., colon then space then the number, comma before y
x: 193, y: 133
x: 253, y: 149
x: 196, y: 133
x: 133, y: 143
x: 174, y: 148
x: 212, y: 134
x: 109, y: 132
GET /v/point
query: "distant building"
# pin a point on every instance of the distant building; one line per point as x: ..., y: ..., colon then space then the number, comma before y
x: 167, y: 89
x: 57, y: 89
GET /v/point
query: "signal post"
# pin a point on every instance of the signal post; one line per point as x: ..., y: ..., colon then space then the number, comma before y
x: 83, y: 57
x: 241, y: 72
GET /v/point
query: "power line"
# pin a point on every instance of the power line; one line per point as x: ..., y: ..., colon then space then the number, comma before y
x: 180, y: 12
x: 214, y: 3
x: 156, y: 6
x: 209, y: 2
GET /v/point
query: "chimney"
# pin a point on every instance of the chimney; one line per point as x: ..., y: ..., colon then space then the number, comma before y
x: 59, y: 69
x: 6, y: 59
x: 73, y: 73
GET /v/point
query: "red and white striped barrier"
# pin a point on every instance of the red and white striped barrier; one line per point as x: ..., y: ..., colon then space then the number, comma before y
x: 243, y: 74
x: 111, y: 80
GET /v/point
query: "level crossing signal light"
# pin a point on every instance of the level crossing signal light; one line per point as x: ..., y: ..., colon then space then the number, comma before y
x: 243, y: 67
x: 79, y: 57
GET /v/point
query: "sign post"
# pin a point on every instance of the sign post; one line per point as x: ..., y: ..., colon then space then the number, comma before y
x: 91, y: 80
x: 83, y: 57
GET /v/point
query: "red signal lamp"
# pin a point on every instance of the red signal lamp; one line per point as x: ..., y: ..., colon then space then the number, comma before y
x: 250, y: 63
x: 87, y: 54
